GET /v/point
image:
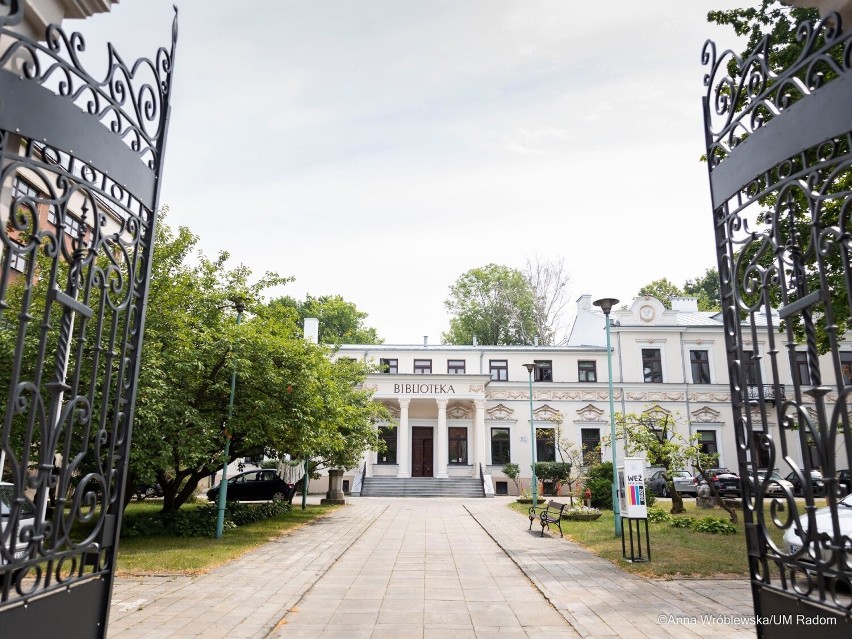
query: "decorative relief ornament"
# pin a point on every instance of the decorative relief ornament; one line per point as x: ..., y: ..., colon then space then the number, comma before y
x: 669, y: 396
x: 647, y: 313
x: 706, y: 414
x: 371, y: 387
x: 547, y: 414
x: 500, y: 412
x: 458, y: 411
x: 476, y: 388
x: 590, y: 413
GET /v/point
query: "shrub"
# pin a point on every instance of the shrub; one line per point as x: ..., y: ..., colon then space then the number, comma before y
x: 715, y: 526
x: 683, y: 522
x: 658, y: 516
x: 599, y: 482
x: 200, y: 522
x: 650, y: 498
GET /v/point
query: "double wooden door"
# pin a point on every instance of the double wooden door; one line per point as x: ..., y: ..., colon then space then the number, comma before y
x: 421, y: 451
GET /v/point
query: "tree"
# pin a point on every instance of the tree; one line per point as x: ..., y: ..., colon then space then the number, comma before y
x: 513, y: 472
x: 662, y: 289
x: 707, y: 289
x: 654, y: 433
x: 340, y: 322
x: 493, y: 304
x: 290, y: 397
x: 548, y: 280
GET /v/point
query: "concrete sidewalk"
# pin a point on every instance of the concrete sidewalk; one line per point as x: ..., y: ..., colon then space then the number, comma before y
x: 425, y: 568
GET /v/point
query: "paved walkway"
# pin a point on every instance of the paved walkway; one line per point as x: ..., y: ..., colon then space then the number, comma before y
x: 425, y: 568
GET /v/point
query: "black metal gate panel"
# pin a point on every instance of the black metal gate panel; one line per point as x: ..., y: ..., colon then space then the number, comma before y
x: 779, y: 155
x: 80, y: 167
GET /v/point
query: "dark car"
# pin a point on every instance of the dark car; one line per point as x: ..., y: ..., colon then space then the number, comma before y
x: 817, y: 484
x: 254, y: 485
x: 844, y: 481
x: 725, y: 481
x: 683, y: 481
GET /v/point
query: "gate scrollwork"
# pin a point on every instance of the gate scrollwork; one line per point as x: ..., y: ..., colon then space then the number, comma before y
x: 80, y: 166
x: 779, y: 156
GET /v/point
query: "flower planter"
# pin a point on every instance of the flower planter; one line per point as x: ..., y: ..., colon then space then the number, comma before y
x: 581, y: 516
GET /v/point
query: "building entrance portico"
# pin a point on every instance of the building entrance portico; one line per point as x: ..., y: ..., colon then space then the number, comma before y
x: 427, y: 410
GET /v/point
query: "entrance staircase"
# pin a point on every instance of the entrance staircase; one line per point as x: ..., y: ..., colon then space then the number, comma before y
x: 422, y: 487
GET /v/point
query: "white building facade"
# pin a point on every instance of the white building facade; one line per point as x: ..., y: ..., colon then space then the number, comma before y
x: 462, y: 410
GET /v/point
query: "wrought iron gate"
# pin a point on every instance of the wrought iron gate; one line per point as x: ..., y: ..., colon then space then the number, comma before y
x: 779, y: 151
x: 80, y: 166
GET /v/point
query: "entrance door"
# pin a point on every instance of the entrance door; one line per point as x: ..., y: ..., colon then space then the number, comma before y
x: 421, y: 452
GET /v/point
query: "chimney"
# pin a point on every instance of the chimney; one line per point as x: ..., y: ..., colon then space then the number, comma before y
x: 535, y: 340
x: 425, y: 341
x: 475, y: 341
x: 685, y: 304
x: 312, y: 330
x: 584, y: 302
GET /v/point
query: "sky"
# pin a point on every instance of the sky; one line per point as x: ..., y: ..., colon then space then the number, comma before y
x: 379, y: 149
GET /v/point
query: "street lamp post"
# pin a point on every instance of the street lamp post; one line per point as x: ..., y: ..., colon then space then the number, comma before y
x: 606, y: 305
x: 240, y: 306
x: 530, y: 368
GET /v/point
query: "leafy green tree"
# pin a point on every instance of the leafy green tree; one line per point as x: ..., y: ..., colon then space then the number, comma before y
x: 662, y: 289
x: 654, y: 434
x: 290, y: 397
x: 340, y: 322
x: 493, y: 304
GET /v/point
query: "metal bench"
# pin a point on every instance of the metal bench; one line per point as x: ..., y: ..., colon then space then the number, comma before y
x: 549, y: 514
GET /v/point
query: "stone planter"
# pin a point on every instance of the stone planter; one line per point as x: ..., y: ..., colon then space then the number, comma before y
x: 581, y: 516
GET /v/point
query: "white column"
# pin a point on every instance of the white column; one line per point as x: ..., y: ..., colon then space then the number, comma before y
x: 442, y: 436
x: 403, y: 441
x: 479, y: 436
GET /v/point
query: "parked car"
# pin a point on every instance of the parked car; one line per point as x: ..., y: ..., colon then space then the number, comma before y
x: 683, y: 481
x: 844, y: 481
x: 254, y: 485
x: 725, y: 481
x: 7, y: 498
x: 776, y: 485
x: 793, y: 541
x: 148, y: 490
x: 817, y: 484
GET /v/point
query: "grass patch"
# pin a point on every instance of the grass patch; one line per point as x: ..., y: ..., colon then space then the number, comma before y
x: 164, y: 554
x: 675, y: 551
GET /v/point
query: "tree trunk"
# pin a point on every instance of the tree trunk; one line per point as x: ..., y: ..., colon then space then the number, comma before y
x: 732, y: 513
x: 677, y: 500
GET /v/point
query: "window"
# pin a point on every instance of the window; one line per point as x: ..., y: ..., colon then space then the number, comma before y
x: 455, y: 367
x: 749, y: 366
x: 700, y: 363
x: 545, y: 446
x: 501, y: 487
x: 801, y: 374
x: 18, y: 262
x: 499, y: 369
x: 422, y: 366
x: 587, y: 371
x: 846, y: 367
x: 389, y: 366
x: 388, y: 436
x: 543, y: 370
x: 652, y: 365
x: 458, y: 445
x: 590, y: 439
x: 500, y: 446
x: 707, y: 442
x: 73, y: 226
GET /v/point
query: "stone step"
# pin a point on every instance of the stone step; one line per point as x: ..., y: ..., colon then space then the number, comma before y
x: 421, y: 487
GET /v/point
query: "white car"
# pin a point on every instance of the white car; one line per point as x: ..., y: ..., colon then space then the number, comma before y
x: 15, y: 546
x: 776, y: 484
x: 793, y: 541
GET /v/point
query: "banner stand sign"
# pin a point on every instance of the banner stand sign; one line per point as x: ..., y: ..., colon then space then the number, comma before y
x: 634, y: 508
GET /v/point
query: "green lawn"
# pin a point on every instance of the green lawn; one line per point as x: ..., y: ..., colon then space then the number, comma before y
x: 675, y: 552
x: 190, y: 555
